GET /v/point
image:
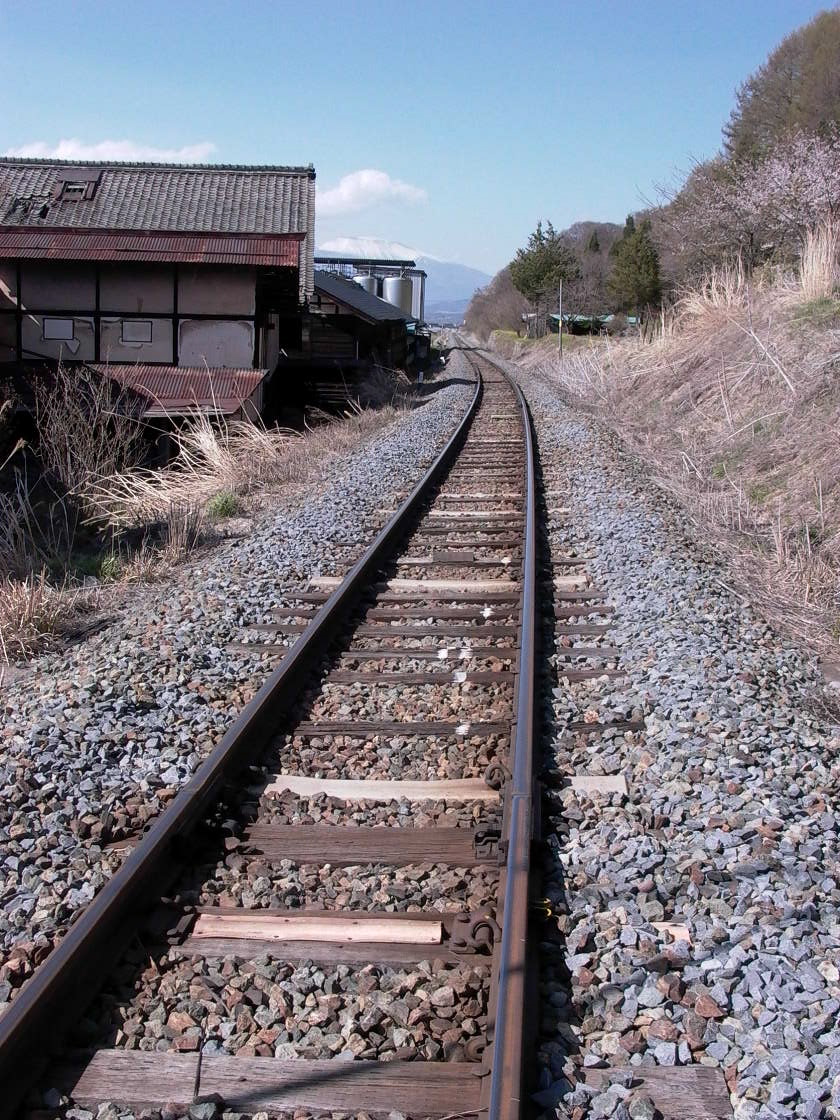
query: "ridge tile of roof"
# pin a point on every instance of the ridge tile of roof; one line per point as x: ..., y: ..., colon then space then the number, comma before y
x: 45, y: 161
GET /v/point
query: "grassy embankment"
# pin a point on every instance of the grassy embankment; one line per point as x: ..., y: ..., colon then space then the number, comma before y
x: 735, y: 404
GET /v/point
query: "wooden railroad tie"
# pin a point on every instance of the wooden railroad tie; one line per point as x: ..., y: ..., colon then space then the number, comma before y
x: 393, y: 847
x: 342, y: 937
x: 137, y: 1079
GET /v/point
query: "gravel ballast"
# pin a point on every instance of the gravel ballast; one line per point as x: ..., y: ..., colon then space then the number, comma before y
x: 98, y: 738
x: 729, y: 827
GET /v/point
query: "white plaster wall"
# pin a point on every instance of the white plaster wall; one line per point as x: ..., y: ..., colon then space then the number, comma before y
x: 54, y: 285
x: 216, y: 291
x: 218, y: 343
x: 80, y: 348
x: 111, y: 349
x: 136, y: 288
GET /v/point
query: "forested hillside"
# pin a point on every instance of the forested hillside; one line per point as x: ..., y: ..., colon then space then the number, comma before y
x: 776, y: 177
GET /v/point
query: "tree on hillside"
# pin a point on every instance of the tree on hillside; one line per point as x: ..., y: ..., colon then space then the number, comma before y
x: 757, y: 209
x: 593, y: 245
x: 798, y: 87
x: 499, y: 306
x: 634, y: 282
x: 539, y: 270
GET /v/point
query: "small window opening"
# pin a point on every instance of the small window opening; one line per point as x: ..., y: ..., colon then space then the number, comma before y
x: 136, y: 330
x: 73, y: 190
x: 75, y: 184
x: 59, y: 330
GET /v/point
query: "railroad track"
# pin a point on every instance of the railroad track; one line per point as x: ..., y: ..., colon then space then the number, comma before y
x: 347, y: 874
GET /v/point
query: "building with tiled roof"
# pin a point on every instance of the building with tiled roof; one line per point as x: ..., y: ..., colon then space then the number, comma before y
x: 192, y: 267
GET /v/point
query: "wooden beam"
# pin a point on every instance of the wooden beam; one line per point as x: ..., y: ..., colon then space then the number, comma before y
x: 453, y: 789
x: 679, y: 1092
x: 137, y: 1079
x: 263, y: 925
x: 429, y: 584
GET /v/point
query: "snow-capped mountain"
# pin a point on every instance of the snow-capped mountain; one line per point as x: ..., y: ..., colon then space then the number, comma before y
x: 449, y: 285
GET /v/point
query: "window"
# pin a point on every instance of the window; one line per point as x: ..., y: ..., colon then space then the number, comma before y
x: 136, y: 330
x: 73, y: 190
x: 58, y: 330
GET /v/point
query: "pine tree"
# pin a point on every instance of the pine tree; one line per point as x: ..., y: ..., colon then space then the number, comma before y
x: 628, y: 231
x: 635, y: 282
x: 593, y: 245
x: 538, y: 270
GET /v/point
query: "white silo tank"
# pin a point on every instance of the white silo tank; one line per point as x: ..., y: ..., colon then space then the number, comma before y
x: 367, y: 282
x: 417, y: 309
x: 398, y: 290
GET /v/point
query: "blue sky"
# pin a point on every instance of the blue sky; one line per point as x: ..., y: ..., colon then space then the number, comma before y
x: 476, y: 119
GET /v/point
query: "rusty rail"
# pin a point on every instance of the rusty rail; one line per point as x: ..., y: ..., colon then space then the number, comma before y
x: 508, y: 1060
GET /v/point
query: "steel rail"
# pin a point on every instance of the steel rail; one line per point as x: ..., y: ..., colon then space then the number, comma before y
x: 507, y: 1081
x: 71, y: 975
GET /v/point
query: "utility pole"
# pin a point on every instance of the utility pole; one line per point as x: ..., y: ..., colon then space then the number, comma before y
x: 560, y: 323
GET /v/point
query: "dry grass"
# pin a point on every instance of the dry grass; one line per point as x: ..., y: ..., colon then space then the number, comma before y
x: 172, y: 505
x: 735, y: 402
x: 33, y: 611
x: 236, y: 458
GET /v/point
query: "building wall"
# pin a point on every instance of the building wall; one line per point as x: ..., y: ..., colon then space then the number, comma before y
x: 58, y: 286
x: 216, y: 291
x: 136, y: 288
x: 112, y: 348
x: 217, y: 343
x: 80, y: 348
x: 138, y: 301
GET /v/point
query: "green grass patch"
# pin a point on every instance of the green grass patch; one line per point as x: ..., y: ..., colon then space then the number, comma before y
x: 223, y: 504
x: 818, y: 313
x: 759, y: 492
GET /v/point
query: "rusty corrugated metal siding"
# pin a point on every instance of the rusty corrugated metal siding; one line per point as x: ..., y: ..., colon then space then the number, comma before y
x: 175, y: 390
x: 270, y: 251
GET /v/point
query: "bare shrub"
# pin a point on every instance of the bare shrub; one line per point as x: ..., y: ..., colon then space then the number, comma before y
x: 89, y: 427
x: 381, y: 386
x: 32, y: 537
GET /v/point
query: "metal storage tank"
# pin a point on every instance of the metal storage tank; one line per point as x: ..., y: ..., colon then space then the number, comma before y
x: 417, y: 294
x: 367, y: 282
x: 398, y: 290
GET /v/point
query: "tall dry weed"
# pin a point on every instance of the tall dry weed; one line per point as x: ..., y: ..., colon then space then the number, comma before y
x: 234, y: 457
x: 819, y: 272
x: 32, y: 611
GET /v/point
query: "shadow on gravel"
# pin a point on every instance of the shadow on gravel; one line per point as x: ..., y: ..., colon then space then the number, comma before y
x: 554, y: 1041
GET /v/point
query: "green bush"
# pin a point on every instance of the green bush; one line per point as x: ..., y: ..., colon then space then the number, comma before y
x: 223, y: 504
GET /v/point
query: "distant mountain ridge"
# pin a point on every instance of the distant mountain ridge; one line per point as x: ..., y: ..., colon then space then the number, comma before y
x: 449, y: 285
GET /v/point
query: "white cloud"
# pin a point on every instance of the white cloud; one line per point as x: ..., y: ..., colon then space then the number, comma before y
x: 362, y: 189
x: 128, y: 150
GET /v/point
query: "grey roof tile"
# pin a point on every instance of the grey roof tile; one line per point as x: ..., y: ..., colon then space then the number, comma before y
x: 198, y: 197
